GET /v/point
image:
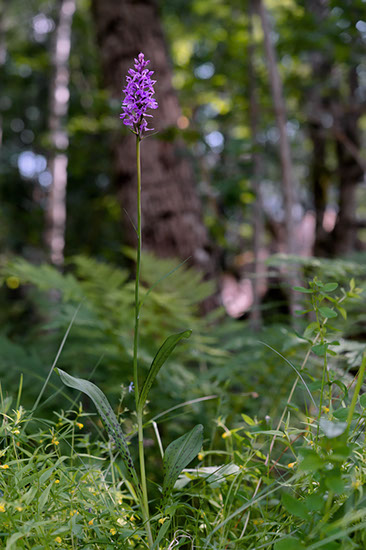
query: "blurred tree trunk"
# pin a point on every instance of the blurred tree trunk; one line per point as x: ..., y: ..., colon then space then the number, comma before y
x: 284, y: 145
x: 318, y: 106
x: 350, y: 170
x: 280, y: 113
x: 2, y: 52
x: 59, y: 101
x: 326, y: 104
x: 171, y: 211
x: 258, y: 228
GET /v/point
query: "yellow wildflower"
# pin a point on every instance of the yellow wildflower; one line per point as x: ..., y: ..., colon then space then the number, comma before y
x: 4, y: 466
x: 73, y: 512
x: 91, y: 522
x: 19, y: 508
x: 57, y: 481
x: 200, y: 456
x: 162, y: 520
x: 325, y: 409
x: 112, y: 531
x: 58, y: 539
x: 16, y: 432
x: 55, y: 441
x: 226, y: 434
x: 12, y: 282
x: 291, y: 465
x: 2, y: 508
x: 80, y: 425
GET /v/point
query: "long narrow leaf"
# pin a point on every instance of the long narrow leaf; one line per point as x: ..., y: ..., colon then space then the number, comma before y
x: 107, y: 415
x: 179, y: 454
x: 158, y: 361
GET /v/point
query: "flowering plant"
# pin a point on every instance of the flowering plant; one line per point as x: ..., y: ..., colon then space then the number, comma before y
x: 138, y: 99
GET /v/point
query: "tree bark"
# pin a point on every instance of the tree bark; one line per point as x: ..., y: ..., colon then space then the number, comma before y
x: 2, y: 53
x: 280, y: 113
x: 350, y: 172
x: 171, y: 211
x: 284, y: 147
x: 258, y: 227
x: 59, y: 101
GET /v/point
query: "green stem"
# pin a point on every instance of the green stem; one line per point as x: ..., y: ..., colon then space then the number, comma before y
x: 145, y: 501
x: 361, y: 375
x: 138, y: 266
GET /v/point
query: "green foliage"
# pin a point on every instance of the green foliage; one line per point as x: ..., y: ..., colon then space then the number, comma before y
x: 103, y: 327
x: 296, y: 479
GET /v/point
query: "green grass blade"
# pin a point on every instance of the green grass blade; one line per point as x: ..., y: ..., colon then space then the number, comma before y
x: 158, y: 361
x: 179, y: 454
x: 107, y: 415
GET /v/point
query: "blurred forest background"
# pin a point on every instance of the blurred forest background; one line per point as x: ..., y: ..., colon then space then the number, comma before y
x: 256, y: 174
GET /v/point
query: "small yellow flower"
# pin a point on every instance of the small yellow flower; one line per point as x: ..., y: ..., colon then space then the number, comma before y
x: 162, y: 520
x: 200, y: 456
x: 226, y: 434
x: 19, y: 508
x: 80, y: 425
x: 257, y: 521
x: 12, y: 282
x: 112, y: 531
x: 58, y: 540
x: 73, y: 512
x: 91, y: 522
x: 55, y: 441
x: 57, y: 481
x: 325, y: 409
x: 4, y: 466
x: 291, y: 465
x: 2, y: 508
x: 132, y: 518
x: 16, y: 432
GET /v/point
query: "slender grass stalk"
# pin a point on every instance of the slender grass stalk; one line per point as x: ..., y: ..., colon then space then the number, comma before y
x: 145, y: 500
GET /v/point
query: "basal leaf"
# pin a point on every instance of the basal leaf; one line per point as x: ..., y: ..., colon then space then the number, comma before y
x: 158, y: 361
x: 107, y: 415
x: 179, y: 454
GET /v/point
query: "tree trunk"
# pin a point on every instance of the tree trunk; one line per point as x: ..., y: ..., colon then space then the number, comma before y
x: 280, y: 113
x: 59, y: 101
x: 258, y: 228
x: 171, y: 214
x: 350, y: 171
x: 2, y: 53
x: 284, y: 146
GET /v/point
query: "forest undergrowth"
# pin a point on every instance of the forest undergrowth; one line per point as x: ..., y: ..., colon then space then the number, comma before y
x: 290, y: 479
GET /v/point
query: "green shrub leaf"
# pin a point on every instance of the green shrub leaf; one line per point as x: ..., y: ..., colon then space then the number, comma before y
x: 179, y: 454
x: 162, y: 355
x: 327, y: 312
x: 294, y: 506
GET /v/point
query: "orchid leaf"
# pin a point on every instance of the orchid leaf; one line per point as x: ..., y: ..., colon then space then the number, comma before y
x: 162, y: 355
x: 179, y: 454
x: 106, y: 414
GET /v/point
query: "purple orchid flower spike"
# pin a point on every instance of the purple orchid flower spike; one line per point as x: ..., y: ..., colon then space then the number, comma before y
x: 139, y: 98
